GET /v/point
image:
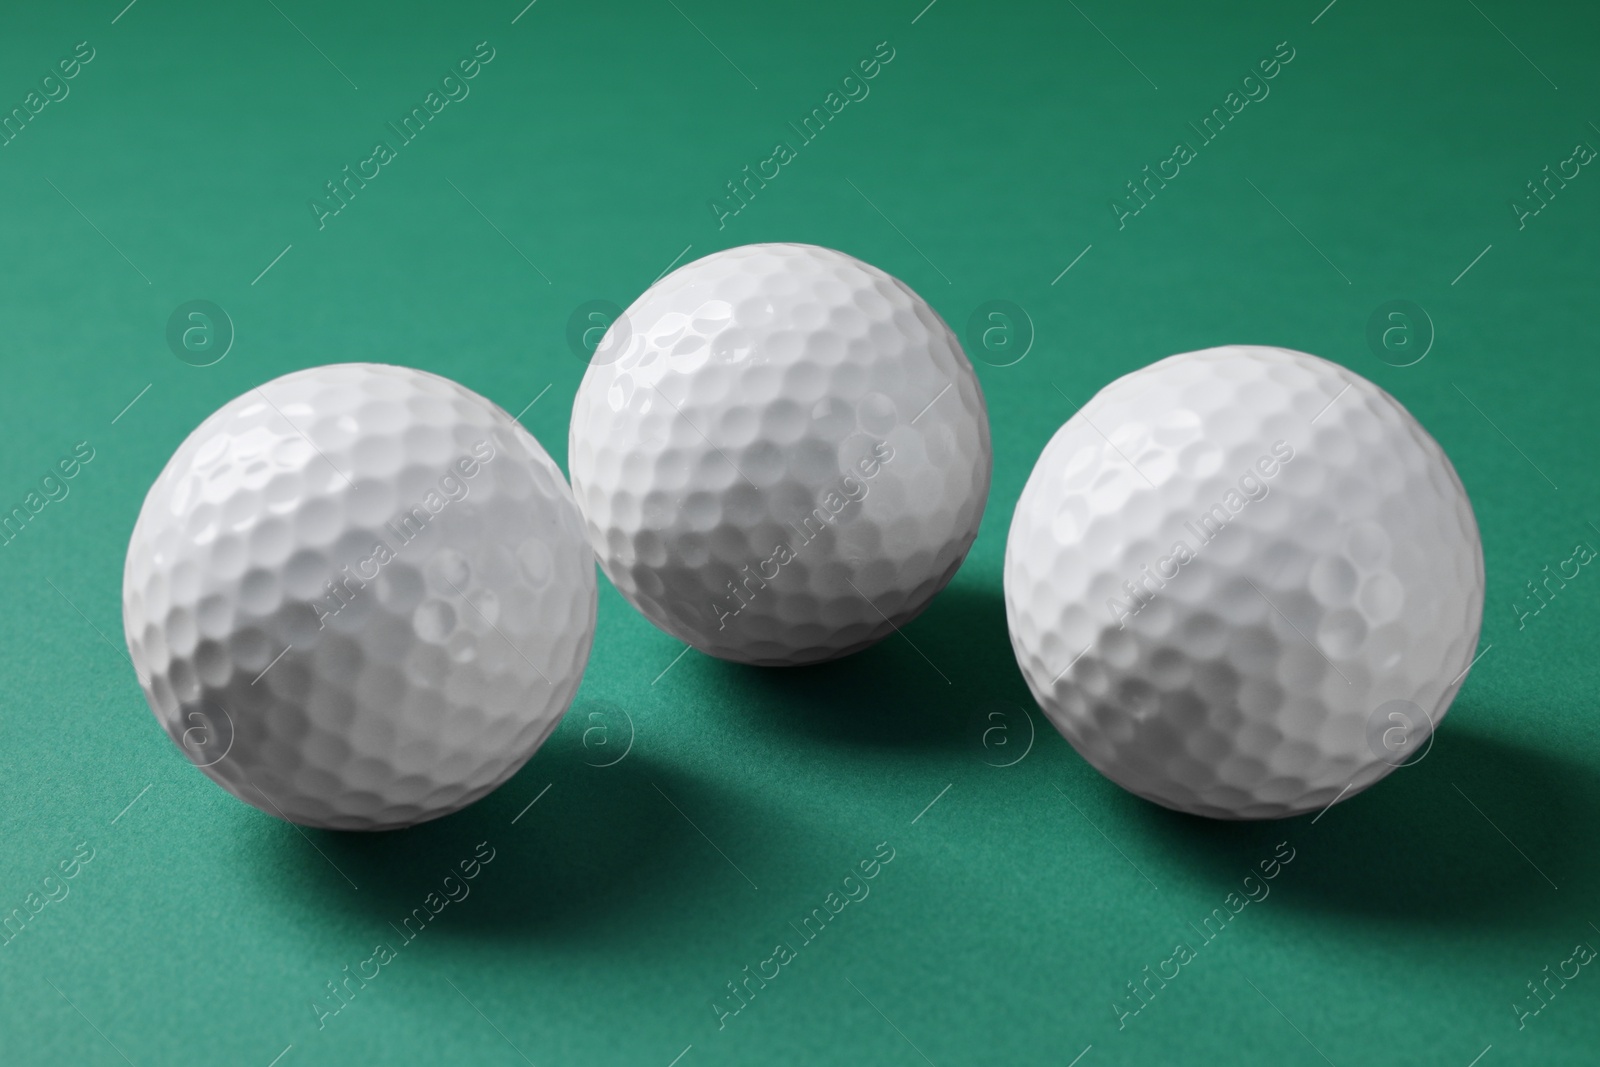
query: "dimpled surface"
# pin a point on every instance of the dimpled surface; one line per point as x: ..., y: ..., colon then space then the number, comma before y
x: 434, y: 668
x: 781, y: 453
x: 1252, y: 673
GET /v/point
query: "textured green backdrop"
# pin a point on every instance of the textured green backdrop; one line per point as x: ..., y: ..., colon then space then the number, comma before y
x: 1383, y: 160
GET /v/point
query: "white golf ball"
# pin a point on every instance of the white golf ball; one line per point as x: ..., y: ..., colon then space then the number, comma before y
x: 359, y: 597
x: 781, y: 454
x: 1244, y: 582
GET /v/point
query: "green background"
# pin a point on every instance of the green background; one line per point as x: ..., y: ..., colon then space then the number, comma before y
x: 1383, y: 162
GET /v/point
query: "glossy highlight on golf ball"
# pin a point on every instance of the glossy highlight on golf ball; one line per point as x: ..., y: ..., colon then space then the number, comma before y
x: 1244, y: 582
x: 781, y: 454
x: 359, y: 597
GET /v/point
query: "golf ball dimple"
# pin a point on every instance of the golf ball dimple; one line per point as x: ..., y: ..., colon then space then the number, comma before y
x: 1244, y: 582
x: 781, y: 454
x: 359, y: 597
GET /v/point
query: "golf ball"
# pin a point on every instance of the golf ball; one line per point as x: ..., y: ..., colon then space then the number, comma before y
x: 1244, y: 582
x: 781, y: 454
x: 359, y: 597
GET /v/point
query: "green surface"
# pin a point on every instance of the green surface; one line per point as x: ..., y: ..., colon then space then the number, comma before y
x: 982, y: 163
